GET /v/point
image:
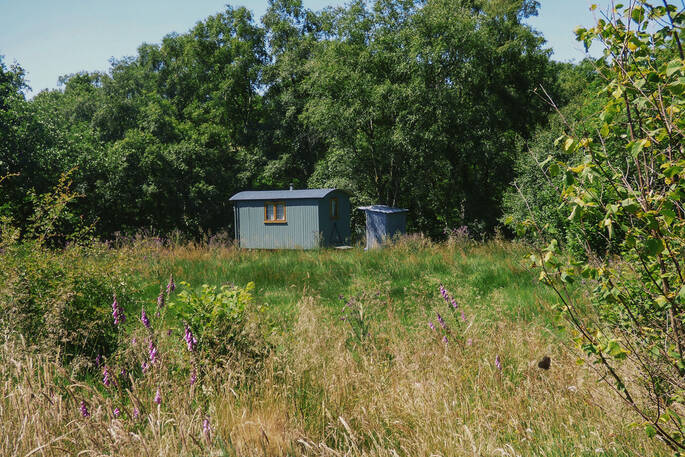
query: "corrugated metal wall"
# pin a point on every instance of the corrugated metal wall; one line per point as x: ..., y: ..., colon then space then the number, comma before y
x: 301, y: 231
x: 380, y: 226
x: 335, y: 232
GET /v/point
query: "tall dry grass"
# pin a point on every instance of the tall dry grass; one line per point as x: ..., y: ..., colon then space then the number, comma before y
x: 402, y: 391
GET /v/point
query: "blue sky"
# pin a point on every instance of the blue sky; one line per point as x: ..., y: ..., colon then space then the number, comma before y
x: 51, y: 38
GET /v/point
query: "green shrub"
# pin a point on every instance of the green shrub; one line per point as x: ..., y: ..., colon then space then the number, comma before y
x: 220, y: 321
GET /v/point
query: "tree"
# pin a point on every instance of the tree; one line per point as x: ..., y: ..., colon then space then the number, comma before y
x: 628, y: 173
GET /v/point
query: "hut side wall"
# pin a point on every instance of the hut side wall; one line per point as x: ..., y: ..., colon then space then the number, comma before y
x: 335, y: 232
x: 380, y: 226
x: 301, y: 230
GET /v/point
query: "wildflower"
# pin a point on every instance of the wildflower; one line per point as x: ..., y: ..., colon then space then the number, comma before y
x: 158, y: 397
x: 193, y: 377
x: 134, y: 340
x: 498, y: 363
x: 136, y: 412
x: 430, y: 324
x: 454, y: 304
x: 98, y: 360
x: 117, y: 313
x: 441, y: 320
x: 469, y: 342
x: 206, y: 429
x: 463, y: 316
x: 170, y: 287
x: 106, y: 376
x: 444, y: 293
x: 160, y: 299
x: 190, y: 339
x: 122, y: 373
x: 152, y: 351
x: 143, y: 318
x: 444, y: 339
x: 144, y: 366
x: 116, y: 412
x: 84, y: 409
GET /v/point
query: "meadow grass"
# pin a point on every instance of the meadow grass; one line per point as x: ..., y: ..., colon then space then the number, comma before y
x: 326, y: 390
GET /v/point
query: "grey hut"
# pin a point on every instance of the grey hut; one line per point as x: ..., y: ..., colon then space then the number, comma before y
x: 292, y: 219
x: 383, y: 222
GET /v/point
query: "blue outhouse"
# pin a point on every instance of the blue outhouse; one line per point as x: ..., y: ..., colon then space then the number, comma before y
x: 383, y: 222
x: 292, y: 219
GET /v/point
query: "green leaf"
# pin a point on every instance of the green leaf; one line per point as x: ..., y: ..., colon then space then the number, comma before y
x: 654, y: 247
x: 650, y: 430
x: 673, y: 66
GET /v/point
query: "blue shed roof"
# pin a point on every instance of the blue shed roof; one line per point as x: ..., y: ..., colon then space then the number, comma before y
x: 383, y: 209
x: 281, y: 194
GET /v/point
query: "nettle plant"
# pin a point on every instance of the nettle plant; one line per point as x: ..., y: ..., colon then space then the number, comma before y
x: 630, y: 176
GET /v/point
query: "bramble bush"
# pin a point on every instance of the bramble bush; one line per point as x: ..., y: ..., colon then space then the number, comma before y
x: 628, y: 178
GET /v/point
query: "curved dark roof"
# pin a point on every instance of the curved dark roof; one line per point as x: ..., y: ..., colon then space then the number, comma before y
x: 281, y: 194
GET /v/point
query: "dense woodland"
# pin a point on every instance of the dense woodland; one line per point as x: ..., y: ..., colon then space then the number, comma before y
x: 424, y: 105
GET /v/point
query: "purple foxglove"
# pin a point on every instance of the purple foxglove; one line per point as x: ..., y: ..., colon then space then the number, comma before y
x: 441, y: 320
x: 136, y: 412
x: 116, y: 412
x: 152, y: 350
x: 191, y: 341
x: 430, y: 324
x: 84, y: 409
x: 444, y: 339
x: 158, y: 397
x: 144, y: 319
x: 106, y: 377
x: 206, y: 429
x: 170, y: 287
x: 117, y: 313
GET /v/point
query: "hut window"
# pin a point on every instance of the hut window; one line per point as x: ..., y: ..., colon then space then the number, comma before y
x: 274, y: 212
x: 334, y: 208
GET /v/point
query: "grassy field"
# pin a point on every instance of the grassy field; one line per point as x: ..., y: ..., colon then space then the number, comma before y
x: 354, y: 367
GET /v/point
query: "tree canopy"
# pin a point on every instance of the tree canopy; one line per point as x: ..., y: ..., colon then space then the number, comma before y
x: 420, y: 104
